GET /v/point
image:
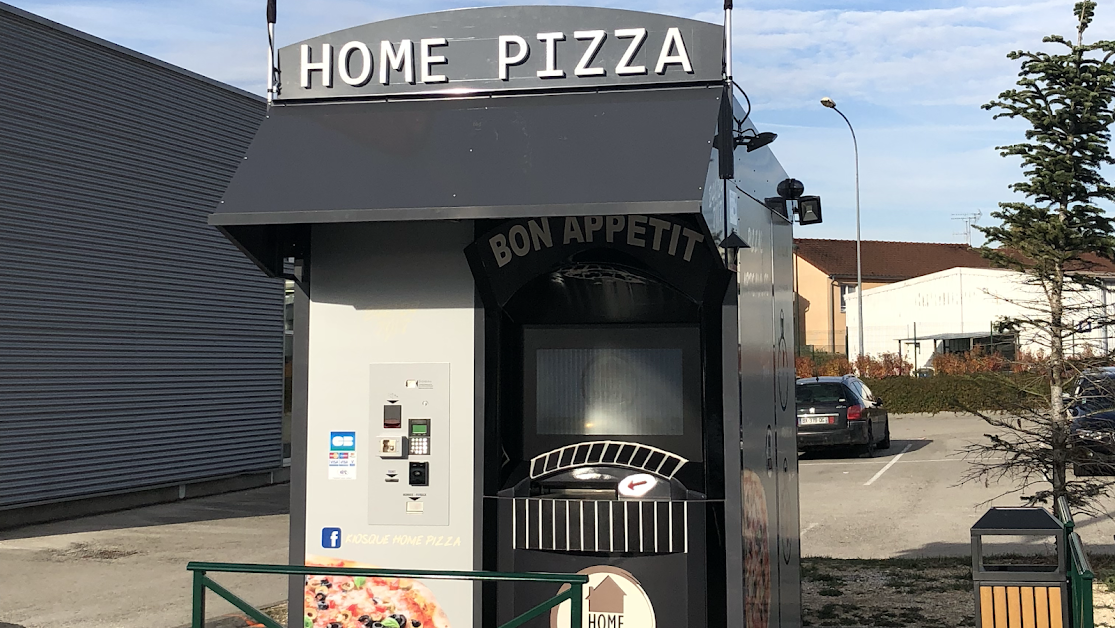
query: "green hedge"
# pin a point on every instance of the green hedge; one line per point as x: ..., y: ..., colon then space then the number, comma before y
x: 959, y: 393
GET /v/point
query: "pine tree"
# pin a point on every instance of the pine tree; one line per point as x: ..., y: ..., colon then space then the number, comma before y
x: 1055, y: 237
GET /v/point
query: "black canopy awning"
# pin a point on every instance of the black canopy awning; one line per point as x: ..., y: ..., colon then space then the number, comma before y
x: 625, y: 152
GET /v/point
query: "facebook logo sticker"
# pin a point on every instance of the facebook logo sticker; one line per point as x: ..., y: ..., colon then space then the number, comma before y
x: 331, y: 538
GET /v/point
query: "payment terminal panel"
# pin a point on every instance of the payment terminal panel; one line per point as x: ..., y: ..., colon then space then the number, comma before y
x: 409, y: 424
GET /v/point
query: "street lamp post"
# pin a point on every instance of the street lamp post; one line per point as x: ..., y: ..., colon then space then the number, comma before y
x: 831, y: 104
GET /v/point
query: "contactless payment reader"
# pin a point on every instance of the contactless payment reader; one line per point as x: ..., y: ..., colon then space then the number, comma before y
x: 543, y: 321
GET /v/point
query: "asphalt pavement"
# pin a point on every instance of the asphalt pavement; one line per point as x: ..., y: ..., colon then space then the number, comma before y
x: 906, y: 501
x: 128, y: 569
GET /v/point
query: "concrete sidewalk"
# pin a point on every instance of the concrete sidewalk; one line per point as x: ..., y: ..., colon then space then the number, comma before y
x: 128, y: 569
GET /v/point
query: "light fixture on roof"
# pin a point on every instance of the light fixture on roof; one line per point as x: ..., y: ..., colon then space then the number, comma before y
x: 809, y: 210
x: 806, y: 208
x: 756, y: 140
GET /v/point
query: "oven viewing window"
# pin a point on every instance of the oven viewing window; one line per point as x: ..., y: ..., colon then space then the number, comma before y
x: 624, y: 382
x: 609, y: 391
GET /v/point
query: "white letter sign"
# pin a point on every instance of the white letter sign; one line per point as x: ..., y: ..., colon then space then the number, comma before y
x: 428, y: 60
x: 505, y: 59
x: 583, y: 66
x: 639, y: 35
x: 551, y: 39
x: 673, y: 39
x: 344, y: 57
x: 401, y: 61
x: 492, y: 50
x: 325, y: 66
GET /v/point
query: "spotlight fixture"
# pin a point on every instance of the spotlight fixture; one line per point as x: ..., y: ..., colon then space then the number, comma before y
x: 809, y: 210
x: 754, y: 141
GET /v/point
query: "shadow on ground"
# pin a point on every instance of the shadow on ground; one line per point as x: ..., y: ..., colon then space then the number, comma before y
x: 271, y: 500
x: 838, y: 453
x: 936, y: 550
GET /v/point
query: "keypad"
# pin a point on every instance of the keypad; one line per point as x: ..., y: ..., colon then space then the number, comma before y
x: 419, y: 445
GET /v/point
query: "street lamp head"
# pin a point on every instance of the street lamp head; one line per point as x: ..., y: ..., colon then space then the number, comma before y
x: 828, y: 102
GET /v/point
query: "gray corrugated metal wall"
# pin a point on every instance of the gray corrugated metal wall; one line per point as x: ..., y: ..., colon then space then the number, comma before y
x: 138, y: 347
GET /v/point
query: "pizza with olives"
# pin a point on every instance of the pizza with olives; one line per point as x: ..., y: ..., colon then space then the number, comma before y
x: 367, y: 602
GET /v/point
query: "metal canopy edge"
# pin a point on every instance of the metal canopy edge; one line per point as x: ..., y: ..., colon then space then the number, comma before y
x: 399, y: 214
x: 630, y: 151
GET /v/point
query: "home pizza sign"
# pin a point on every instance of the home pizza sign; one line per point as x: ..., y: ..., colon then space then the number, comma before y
x: 502, y: 48
x: 613, y: 598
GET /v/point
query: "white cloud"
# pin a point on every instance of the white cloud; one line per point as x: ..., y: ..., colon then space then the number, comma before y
x: 910, y: 79
x: 933, y: 56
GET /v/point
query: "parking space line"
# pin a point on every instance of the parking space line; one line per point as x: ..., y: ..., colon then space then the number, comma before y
x: 833, y: 464
x: 889, y: 465
x: 878, y: 461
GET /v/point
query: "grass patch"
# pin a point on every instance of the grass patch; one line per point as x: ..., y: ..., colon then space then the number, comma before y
x: 908, y: 592
x: 1103, y: 567
x: 890, y: 593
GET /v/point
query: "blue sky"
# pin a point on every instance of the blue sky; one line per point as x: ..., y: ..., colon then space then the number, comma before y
x: 910, y: 75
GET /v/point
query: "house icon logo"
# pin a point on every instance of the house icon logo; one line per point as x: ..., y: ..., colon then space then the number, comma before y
x: 606, y: 598
x: 613, y: 598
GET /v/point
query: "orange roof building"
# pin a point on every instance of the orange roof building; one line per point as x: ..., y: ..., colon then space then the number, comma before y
x: 825, y: 271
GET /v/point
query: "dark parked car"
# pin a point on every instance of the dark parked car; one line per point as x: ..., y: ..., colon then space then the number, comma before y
x: 840, y: 412
x: 1092, y: 432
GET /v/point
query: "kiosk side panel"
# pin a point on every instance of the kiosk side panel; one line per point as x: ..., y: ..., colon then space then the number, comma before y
x: 391, y: 403
x: 771, y: 525
x: 789, y: 526
x: 759, y: 419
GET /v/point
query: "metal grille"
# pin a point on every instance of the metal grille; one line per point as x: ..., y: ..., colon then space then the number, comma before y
x: 138, y: 346
x: 627, y: 526
x: 611, y: 453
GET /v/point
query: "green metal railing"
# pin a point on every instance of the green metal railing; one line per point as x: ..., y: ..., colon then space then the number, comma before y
x: 202, y: 582
x: 1080, y: 572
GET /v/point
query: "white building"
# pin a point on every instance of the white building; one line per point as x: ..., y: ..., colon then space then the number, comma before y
x: 955, y: 310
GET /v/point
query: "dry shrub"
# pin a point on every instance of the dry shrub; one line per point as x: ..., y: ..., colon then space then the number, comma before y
x: 885, y: 365
x: 969, y: 363
x: 895, y: 366
x: 805, y: 366
x: 838, y: 365
x: 1026, y: 361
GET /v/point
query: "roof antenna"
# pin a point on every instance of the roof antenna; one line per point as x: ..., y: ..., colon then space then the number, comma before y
x: 728, y: 42
x: 272, y: 62
x: 968, y: 220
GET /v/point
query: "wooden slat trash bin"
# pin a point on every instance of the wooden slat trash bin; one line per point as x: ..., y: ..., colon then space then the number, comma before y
x: 1012, y: 595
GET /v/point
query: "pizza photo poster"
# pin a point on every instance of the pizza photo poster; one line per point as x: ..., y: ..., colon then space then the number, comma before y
x: 367, y: 602
x: 756, y: 552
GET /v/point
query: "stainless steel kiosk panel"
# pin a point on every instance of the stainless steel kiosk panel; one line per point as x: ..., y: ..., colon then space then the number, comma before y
x: 535, y: 328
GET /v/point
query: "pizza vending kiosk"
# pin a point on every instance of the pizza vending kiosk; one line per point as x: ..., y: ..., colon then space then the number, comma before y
x: 543, y: 319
